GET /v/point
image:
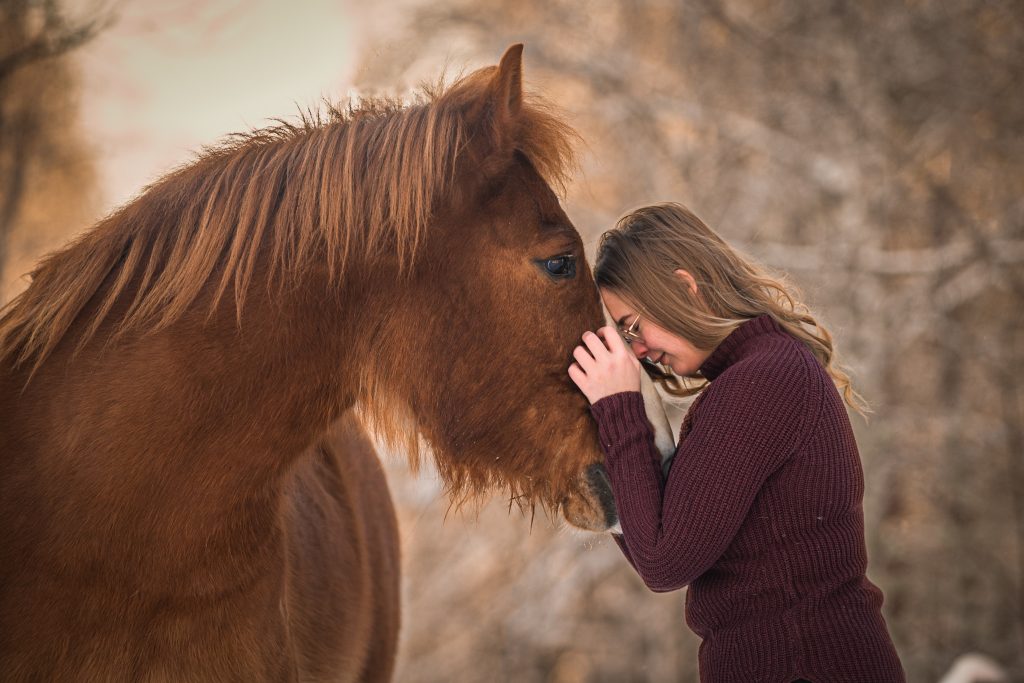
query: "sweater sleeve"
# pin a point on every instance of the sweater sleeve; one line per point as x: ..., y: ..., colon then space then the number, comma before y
x: 748, y: 424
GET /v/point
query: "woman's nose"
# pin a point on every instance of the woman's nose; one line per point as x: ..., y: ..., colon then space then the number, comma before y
x: 639, y: 349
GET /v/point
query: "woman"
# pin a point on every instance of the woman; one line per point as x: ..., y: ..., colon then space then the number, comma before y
x: 760, y: 511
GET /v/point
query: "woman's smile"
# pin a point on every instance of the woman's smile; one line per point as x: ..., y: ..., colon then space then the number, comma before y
x: 654, y: 342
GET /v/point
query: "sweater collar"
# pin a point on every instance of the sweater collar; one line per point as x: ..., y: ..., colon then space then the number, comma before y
x: 729, y: 350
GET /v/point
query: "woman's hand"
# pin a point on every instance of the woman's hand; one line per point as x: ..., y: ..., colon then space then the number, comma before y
x: 603, y: 368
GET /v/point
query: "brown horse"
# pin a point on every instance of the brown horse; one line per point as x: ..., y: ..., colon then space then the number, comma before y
x: 186, y: 489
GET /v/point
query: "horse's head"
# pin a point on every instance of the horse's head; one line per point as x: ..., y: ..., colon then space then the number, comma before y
x: 502, y: 293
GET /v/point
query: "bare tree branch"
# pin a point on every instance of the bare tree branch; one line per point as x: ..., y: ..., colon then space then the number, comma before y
x: 56, y: 37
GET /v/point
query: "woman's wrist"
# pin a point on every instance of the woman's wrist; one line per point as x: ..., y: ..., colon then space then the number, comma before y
x: 620, y: 416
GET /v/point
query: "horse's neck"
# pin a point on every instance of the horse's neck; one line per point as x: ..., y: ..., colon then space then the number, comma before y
x: 177, y: 442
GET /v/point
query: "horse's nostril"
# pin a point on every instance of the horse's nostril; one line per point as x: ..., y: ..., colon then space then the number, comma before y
x: 597, y: 476
x: 601, y: 485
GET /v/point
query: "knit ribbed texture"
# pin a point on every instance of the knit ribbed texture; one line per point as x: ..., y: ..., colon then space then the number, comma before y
x: 760, y: 515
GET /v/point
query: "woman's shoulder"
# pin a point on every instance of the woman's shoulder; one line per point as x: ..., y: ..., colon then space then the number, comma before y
x: 779, y: 379
x: 772, y: 396
x: 777, y: 362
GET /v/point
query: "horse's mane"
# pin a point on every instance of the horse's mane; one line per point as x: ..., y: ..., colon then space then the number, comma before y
x: 350, y: 183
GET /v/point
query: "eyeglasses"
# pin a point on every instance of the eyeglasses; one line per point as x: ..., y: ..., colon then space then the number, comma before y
x: 631, y: 334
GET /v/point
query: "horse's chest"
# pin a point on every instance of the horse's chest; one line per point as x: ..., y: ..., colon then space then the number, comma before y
x: 88, y: 640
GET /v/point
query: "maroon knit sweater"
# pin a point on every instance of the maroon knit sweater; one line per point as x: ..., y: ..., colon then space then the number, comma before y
x: 760, y: 515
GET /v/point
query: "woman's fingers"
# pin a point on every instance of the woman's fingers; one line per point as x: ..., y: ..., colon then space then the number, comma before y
x: 583, y: 358
x: 597, y: 348
x: 612, y: 339
x: 616, y: 345
x: 577, y: 375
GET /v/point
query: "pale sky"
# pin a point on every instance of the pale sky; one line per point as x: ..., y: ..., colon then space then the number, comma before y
x: 173, y: 75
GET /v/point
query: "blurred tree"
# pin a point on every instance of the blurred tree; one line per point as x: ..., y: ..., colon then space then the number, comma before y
x: 37, y: 30
x: 874, y: 151
x: 36, y: 102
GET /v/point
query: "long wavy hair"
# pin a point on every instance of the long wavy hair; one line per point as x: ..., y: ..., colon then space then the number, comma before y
x: 638, y: 259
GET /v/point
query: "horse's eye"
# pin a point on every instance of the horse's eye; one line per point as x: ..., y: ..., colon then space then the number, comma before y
x: 561, y: 266
x: 558, y: 265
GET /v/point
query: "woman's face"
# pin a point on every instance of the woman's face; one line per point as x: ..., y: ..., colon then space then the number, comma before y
x: 654, y: 343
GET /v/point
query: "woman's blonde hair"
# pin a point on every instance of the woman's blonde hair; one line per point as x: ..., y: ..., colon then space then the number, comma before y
x: 638, y: 259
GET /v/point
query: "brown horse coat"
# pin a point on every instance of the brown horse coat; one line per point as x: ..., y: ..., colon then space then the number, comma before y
x: 185, y: 491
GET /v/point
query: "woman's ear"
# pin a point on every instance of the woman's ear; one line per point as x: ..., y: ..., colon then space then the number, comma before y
x: 688, y: 279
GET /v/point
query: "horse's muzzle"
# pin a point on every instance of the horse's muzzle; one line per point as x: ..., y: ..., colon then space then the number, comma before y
x: 593, y: 507
x: 601, y: 487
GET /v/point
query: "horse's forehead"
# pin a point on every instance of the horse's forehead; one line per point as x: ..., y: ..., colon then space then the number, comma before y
x: 517, y: 210
x: 536, y: 189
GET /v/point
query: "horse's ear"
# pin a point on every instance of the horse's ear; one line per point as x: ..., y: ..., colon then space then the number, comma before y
x: 508, y: 84
x: 494, y: 113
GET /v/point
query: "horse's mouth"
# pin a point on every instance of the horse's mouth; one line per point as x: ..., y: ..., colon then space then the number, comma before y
x: 601, y: 486
x: 594, y: 510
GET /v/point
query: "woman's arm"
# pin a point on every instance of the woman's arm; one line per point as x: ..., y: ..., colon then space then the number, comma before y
x: 664, y: 442
x: 747, y: 425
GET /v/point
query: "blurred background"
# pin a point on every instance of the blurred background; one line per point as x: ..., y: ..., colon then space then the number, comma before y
x: 874, y: 151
